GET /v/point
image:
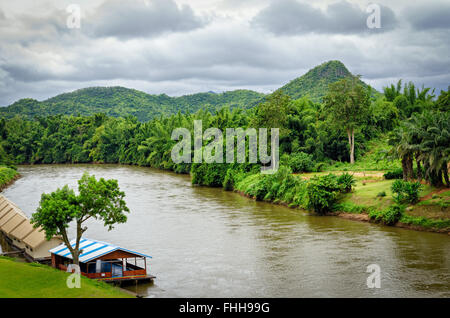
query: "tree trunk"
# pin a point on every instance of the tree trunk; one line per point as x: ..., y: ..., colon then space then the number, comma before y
x: 65, y: 238
x: 427, y: 175
x: 76, y: 252
x: 405, y: 168
x: 419, y: 168
x: 352, y: 158
x: 75, y: 258
x: 410, y: 167
x: 445, y: 171
x: 351, y: 143
x: 439, y: 182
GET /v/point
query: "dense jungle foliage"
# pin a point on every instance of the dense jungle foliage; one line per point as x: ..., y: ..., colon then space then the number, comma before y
x: 411, y: 122
x: 121, y: 101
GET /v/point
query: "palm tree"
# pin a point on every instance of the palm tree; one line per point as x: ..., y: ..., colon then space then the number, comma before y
x: 402, y: 149
x: 430, y: 139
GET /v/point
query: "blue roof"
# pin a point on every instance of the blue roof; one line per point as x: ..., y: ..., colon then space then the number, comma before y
x: 91, y: 249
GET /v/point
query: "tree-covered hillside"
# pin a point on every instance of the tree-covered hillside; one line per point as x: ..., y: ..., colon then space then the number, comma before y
x: 315, y: 82
x: 122, y: 102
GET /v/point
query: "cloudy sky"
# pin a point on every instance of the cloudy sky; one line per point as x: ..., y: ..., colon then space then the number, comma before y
x: 186, y: 46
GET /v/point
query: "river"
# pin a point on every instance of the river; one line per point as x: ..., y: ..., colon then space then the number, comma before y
x: 206, y: 242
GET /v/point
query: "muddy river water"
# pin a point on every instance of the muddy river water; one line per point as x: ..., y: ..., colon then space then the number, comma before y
x: 206, y: 242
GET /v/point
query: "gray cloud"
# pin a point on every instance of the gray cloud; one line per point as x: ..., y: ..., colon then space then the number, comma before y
x: 428, y: 16
x: 40, y: 57
x: 138, y: 18
x: 290, y: 17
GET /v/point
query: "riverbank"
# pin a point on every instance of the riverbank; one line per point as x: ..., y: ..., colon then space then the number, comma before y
x: 431, y: 214
x: 7, y: 177
x: 33, y: 280
x: 370, y: 199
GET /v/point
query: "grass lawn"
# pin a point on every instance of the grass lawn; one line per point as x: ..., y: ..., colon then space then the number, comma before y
x: 26, y: 280
x: 434, y: 203
x: 373, y: 159
x: 365, y: 193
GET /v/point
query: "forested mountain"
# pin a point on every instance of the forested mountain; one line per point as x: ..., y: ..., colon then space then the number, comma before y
x: 121, y: 101
x: 315, y: 82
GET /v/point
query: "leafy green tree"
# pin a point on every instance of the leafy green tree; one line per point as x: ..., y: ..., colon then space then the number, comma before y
x: 443, y: 101
x: 400, y: 140
x: 426, y: 137
x: 347, y: 102
x: 98, y: 199
x: 391, y: 92
x: 323, y: 192
x: 273, y: 113
x: 432, y: 143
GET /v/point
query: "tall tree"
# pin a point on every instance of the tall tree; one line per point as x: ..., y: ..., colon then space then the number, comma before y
x: 347, y: 102
x: 99, y: 199
x: 273, y: 113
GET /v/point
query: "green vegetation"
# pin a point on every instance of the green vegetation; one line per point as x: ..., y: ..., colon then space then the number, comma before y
x: 314, y: 84
x: 299, y: 162
x: 123, y: 102
x: 388, y: 216
x: 406, y: 192
x: 403, y: 134
x: 346, y: 182
x: 424, y: 137
x: 348, y: 102
x: 281, y: 187
x: 98, y: 199
x: 323, y: 193
x: 7, y: 175
x: 32, y: 280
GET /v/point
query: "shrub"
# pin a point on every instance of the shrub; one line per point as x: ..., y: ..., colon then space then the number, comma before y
x: 406, y: 192
x: 301, y: 162
x: 381, y: 194
x: 261, y: 188
x: 228, y: 182
x: 6, y: 175
x: 388, y: 216
x: 322, y: 193
x: 281, y: 186
x: 319, y: 166
x: 182, y: 168
x: 394, y: 174
x: 346, y: 181
x: 423, y: 221
x: 209, y: 174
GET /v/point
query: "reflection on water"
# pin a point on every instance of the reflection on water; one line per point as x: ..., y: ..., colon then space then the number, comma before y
x: 210, y: 243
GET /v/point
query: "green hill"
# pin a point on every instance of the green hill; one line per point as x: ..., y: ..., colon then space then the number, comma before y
x: 315, y: 82
x: 121, y: 101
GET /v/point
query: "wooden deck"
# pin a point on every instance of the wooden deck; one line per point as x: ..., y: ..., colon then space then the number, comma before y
x: 108, y: 278
x: 126, y: 280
